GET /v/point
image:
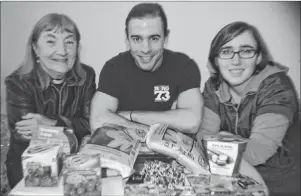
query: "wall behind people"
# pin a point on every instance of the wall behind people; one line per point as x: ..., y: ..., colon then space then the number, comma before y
x: 192, y: 25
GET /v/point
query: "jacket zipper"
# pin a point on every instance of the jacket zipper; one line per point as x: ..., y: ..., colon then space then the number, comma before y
x: 236, y: 114
x: 236, y: 120
x: 60, y: 94
x: 237, y: 109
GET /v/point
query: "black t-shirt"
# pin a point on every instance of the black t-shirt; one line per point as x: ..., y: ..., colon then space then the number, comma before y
x: 136, y: 89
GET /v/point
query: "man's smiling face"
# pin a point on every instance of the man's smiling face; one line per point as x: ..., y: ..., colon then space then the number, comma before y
x: 146, y: 40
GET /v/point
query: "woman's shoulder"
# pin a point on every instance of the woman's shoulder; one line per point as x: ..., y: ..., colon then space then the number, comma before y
x: 18, y: 82
x: 277, y: 80
x: 89, y: 70
x: 274, y: 74
x: 278, y: 87
x: 213, y: 83
x: 15, y: 77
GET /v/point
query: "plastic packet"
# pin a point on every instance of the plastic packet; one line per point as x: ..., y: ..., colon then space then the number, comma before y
x: 118, y: 150
x: 181, y: 147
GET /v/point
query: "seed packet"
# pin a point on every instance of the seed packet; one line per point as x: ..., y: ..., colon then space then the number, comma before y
x: 82, y: 175
x: 40, y: 164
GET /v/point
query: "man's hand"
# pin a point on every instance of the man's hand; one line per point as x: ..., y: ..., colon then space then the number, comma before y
x: 29, y: 124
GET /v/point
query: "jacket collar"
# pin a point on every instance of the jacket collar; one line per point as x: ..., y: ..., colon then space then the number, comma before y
x: 42, y: 80
x: 223, y: 91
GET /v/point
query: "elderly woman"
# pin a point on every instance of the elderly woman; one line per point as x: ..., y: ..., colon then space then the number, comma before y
x: 251, y: 96
x: 51, y: 87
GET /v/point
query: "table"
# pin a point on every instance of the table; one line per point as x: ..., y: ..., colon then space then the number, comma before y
x: 112, y: 186
x: 247, y: 169
x: 115, y: 185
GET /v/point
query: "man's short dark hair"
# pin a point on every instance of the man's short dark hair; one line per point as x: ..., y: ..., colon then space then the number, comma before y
x: 144, y: 10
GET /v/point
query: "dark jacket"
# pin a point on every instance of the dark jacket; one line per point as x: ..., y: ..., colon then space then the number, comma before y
x: 264, y: 116
x: 70, y: 105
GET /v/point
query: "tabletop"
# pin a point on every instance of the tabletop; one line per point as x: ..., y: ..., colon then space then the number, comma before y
x: 114, y: 185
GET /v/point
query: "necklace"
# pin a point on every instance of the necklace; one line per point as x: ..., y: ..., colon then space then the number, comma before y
x: 58, y: 81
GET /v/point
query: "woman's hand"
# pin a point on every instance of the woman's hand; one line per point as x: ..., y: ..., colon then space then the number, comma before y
x: 225, y: 133
x: 29, y: 124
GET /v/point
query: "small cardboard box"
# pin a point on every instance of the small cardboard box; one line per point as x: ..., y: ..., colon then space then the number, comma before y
x: 82, y: 175
x: 224, y: 153
x: 40, y: 164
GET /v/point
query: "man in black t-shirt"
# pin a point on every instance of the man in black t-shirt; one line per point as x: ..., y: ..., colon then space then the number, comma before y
x: 148, y: 84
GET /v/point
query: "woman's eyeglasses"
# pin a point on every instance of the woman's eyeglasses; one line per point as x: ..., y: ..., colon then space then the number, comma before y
x: 244, y: 54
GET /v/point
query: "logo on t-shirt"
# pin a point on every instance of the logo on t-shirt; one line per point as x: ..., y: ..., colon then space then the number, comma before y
x: 161, y: 93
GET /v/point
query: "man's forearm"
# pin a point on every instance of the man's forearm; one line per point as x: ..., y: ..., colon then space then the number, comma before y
x: 114, y: 118
x: 183, y: 120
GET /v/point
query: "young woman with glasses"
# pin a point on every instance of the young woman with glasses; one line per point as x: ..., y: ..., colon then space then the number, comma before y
x: 250, y: 95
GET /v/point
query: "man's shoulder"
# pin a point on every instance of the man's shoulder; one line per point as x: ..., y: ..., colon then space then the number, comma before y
x: 177, y: 56
x: 179, y: 60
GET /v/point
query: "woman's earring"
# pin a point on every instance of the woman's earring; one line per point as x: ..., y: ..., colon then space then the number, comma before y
x: 38, y: 59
